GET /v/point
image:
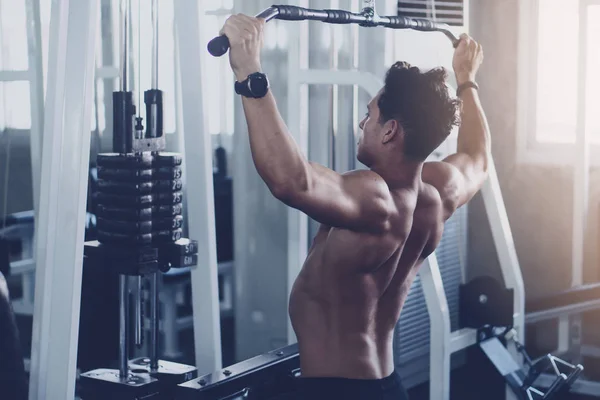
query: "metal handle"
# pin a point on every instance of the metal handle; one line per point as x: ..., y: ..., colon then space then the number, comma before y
x: 219, y: 45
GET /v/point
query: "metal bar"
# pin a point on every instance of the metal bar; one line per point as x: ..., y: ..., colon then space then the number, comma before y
x: 11, y: 76
x: 22, y: 266
x: 440, y: 329
x: 124, y: 42
x: 507, y: 255
x: 154, y: 322
x: 61, y: 227
x: 123, y: 322
x: 138, y: 310
x: 582, y: 161
x: 198, y: 158
x: 462, y: 339
x: 297, y: 228
x: 36, y: 95
x: 557, y: 312
x: 155, y: 51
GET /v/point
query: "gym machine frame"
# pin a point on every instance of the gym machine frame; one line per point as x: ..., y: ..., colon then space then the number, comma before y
x: 67, y: 127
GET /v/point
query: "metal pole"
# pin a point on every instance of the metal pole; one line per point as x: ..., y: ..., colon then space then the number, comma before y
x: 155, y: 44
x: 154, y: 322
x: 63, y: 191
x: 123, y: 320
x: 125, y: 13
x: 200, y: 192
x: 138, y: 311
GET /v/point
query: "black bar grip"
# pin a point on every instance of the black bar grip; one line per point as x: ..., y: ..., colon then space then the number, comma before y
x: 219, y: 45
x: 343, y: 17
x: 293, y: 13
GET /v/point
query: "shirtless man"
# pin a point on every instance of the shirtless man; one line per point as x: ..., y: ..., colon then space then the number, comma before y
x: 378, y: 225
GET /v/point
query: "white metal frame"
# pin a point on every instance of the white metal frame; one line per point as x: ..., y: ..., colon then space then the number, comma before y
x: 529, y: 150
x: 60, y: 229
x: 199, y: 190
x: 34, y: 76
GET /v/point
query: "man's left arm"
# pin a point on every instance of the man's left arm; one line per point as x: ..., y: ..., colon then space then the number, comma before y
x: 358, y: 200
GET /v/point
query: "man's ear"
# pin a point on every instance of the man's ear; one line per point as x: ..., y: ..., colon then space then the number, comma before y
x: 392, y: 129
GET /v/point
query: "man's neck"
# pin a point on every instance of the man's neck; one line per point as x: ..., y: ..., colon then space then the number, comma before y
x: 400, y: 174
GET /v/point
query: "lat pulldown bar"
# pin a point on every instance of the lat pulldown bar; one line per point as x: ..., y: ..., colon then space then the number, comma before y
x: 367, y: 17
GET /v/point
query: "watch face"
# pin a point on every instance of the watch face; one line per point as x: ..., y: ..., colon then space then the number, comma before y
x: 258, y: 84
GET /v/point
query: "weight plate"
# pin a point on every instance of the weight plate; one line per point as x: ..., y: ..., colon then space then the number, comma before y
x: 168, y: 173
x: 164, y: 210
x: 125, y: 175
x: 126, y: 227
x: 168, y: 185
x: 125, y: 201
x: 182, y: 247
x: 166, y: 236
x: 168, y: 159
x: 184, y: 261
x: 169, y: 198
x: 123, y: 238
x: 109, y: 253
x: 115, y: 187
x: 126, y: 161
x: 167, y: 223
x: 125, y: 214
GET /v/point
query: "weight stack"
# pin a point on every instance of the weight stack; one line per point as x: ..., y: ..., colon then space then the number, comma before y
x: 139, y: 213
x: 138, y: 205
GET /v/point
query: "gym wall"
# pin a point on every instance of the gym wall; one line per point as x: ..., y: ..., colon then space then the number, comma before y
x: 538, y: 198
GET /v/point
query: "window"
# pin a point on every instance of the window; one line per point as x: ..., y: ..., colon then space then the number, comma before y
x: 217, y: 85
x: 552, y: 46
x: 450, y: 12
x: 15, y: 111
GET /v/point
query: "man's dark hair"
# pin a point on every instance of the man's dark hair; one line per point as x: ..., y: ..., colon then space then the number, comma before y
x: 421, y: 104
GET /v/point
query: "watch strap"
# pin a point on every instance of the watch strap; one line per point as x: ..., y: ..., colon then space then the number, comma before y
x: 466, y: 85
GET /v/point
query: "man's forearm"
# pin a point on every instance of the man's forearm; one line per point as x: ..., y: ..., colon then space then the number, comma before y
x: 474, y: 133
x: 278, y: 159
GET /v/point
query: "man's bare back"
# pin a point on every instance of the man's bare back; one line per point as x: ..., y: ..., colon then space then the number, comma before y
x: 347, y: 299
x: 378, y: 225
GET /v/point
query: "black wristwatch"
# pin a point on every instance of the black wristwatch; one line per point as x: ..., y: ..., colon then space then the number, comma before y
x: 255, y: 86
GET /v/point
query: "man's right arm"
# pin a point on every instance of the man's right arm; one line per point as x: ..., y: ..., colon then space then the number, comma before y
x: 460, y: 176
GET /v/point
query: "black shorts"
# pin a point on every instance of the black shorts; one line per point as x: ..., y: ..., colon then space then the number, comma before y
x: 389, y: 388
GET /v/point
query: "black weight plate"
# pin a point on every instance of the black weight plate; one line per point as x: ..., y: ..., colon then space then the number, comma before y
x: 184, y: 261
x: 124, y: 239
x: 125, y: 214
x: 168, y: 173
x: 172, y: 210
x: 115, y: 187
x: 168, y: 159
x: 126, y: 227
x: 168, y: 185
x: 109, y: 253
x: 169, y: 198
x: 125, y: 175
x: 125, y: 201
x: 126, y: 161
x: 166, y: 236
x: 167, y: 223
x: 182, y: 247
